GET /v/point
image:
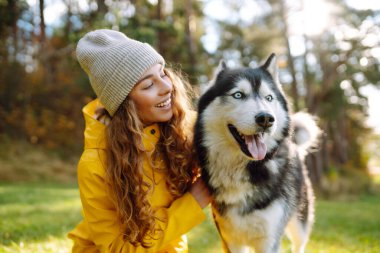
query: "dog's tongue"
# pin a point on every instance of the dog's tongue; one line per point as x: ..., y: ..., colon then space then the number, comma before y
x: 256, y: 146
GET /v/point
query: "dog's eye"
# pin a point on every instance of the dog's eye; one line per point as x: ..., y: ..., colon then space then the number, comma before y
x: 238, y: 95
x: 269, y: 98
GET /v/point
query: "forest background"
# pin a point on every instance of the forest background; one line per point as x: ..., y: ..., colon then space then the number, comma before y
x: 328, y: 54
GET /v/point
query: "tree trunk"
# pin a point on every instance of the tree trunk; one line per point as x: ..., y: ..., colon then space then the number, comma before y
x: 68, y: 22
x: 285, y: 35
x: 308, y: 82
x: 337, y: 131
x: 42, y: 23
x: 160, y: 34
x: 102, y: 7
x: 44, y: 50
x: 12, y: 4
x: 191, y: 46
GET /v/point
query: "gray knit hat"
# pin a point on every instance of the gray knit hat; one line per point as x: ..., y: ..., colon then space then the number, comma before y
x: 114, y: 64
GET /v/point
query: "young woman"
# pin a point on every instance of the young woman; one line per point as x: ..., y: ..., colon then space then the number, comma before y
x: 136, y: 176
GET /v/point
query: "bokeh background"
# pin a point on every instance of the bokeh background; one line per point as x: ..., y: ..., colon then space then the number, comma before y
x: 328, y: 53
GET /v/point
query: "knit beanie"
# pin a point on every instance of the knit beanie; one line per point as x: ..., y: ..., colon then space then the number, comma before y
x: 114, y: 64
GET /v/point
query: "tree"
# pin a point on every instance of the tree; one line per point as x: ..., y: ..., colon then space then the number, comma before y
x: 325, y: 79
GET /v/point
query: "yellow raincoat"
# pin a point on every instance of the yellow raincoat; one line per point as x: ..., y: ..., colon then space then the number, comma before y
x: 100, y: 230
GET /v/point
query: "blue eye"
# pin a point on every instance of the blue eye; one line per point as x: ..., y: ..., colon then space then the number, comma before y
x: 238, y: 95
x: 269, y: 98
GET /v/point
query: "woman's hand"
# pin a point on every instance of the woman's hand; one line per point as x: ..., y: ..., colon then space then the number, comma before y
x: 200, y: 193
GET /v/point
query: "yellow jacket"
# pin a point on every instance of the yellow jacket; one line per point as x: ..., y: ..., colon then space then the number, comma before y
x: 100, y: 231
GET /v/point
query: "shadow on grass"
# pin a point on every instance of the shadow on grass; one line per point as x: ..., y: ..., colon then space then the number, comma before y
x: 205, y: 238
x: 34, y: 212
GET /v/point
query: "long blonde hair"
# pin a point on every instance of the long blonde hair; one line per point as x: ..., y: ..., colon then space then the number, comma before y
x: 125, y: 155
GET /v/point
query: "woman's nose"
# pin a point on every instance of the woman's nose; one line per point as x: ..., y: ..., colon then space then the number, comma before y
x: 166, y: 86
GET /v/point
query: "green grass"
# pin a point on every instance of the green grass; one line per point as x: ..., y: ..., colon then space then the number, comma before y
x: 347, y: 226
x: 342, y: 226
x: 36, y: 218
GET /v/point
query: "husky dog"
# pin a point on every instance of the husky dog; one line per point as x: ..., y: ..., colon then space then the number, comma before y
x: 251, y: 162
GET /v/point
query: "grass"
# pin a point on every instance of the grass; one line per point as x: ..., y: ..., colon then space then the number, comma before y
x: 347, y: 226
x: 36, y: 218
x: 23, y: 162
x: 342, y: 226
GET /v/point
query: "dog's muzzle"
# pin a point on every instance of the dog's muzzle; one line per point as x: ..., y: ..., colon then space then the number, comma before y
x: 264, y: 120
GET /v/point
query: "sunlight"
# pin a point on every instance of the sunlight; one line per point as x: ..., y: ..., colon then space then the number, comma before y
x: 312, y: 17
x: 364, y: 4
x: 50, y: 244
x: 316, y: 16
x: 54, y: 9
x: 373, y: 95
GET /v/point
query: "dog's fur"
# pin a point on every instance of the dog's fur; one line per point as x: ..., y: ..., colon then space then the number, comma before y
x: 259, y: 183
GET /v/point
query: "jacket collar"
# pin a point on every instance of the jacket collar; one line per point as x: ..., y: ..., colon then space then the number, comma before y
x: 94, y: 133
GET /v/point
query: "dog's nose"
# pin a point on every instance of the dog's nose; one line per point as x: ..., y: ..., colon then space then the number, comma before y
x: 264, y: 119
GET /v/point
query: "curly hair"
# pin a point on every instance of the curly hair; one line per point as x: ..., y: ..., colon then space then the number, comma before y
x: 125, y: 155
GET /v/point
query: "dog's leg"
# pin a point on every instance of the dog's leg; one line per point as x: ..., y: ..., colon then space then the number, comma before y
x: 234, y: 248
x: 298, y: 234
x: 266, y: 245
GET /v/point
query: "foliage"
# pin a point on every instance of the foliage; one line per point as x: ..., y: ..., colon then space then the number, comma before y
x: 325, y: 78
x: 42, y: 87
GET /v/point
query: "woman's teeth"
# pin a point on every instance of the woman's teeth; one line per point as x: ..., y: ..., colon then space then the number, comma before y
x: 163, y: 104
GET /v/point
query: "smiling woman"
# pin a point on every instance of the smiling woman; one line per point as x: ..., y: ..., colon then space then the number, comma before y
x: 152, y: 96
x: 136, y: 176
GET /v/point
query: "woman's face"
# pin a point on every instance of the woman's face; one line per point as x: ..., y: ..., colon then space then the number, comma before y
x: 152, y: 96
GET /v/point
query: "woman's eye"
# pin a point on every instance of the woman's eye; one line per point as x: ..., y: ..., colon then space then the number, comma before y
x: 269, y: 98
x: 148, y: 86
x: 238, y: 95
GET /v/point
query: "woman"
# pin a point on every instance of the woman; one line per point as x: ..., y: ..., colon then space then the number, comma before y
x: 136, y: 174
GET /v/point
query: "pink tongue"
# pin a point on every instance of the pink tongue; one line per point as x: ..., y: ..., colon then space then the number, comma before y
x: 256, y: 146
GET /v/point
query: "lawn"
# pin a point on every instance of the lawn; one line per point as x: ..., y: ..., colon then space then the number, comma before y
x: 36, y: 218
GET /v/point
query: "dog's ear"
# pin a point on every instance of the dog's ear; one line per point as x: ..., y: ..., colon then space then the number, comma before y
x: 271, y: 66
x: 222, y: 66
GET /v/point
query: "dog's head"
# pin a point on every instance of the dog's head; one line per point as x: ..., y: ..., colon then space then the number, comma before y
x: 245, y: 108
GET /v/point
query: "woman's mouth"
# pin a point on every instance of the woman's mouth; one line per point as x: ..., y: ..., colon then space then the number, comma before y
x: 166, y: 103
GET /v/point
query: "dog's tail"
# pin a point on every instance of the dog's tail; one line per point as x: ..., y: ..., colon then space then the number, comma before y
x: 306, y: 132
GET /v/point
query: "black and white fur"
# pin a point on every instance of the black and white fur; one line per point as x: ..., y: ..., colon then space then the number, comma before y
x: 255, y: 201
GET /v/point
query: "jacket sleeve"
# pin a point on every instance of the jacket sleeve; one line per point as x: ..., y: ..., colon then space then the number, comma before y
x: 183, y: 214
